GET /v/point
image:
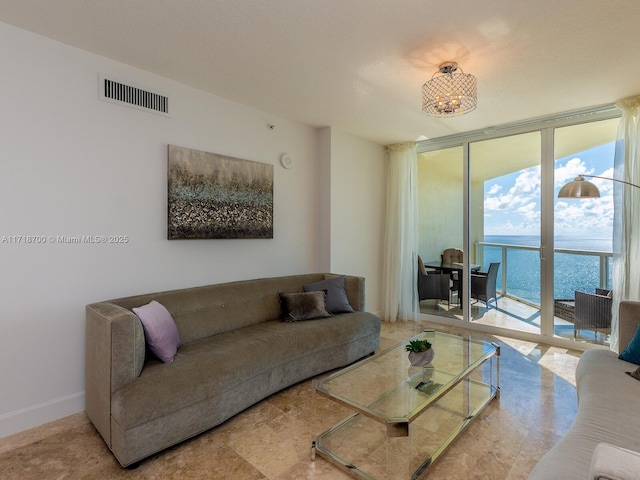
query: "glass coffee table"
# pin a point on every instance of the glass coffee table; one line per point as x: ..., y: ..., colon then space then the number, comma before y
x: 405, y: 417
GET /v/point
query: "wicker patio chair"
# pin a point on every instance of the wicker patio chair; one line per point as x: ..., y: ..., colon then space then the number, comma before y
x: 453, y: 255
x: 483, y: 285
x: 433, y: 284
x: 593, y: 312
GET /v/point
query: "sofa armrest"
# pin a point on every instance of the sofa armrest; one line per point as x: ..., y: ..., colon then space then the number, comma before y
x: 629, y: 319
x: 114, y: 355
x: 614, y: 463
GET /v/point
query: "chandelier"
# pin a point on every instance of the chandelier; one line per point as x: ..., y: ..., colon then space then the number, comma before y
x: 449, y: 94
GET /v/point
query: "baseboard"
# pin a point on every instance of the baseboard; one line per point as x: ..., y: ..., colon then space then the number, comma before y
x: 35, y: 415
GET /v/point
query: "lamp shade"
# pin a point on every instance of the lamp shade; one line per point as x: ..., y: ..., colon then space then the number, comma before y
x: 449, y: 93
x: 579, y: 188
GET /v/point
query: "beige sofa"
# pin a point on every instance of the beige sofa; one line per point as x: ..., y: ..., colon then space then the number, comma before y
x: 234, y: 352
x: 604, y: 439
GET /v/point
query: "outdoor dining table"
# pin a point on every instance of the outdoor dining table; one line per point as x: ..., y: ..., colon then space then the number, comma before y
x: 452, y: 267
x: 449, y: 267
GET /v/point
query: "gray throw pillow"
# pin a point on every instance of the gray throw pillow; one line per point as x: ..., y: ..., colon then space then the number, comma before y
x: 336, y: 301
x: 302, y: 306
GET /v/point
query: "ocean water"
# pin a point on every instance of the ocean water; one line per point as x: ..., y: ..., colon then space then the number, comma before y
x: 572, y: 272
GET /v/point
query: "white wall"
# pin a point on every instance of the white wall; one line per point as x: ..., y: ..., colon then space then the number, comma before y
x: 357, y: 211
x: 74, y: 165
x: 440, y: 203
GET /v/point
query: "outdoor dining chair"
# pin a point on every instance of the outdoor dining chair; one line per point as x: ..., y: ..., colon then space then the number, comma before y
x: 433, y: 284
x: 483, y: 284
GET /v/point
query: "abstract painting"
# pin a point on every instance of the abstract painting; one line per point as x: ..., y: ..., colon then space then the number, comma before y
x: 216, y: 196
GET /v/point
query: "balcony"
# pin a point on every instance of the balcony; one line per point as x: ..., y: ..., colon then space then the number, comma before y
x: 518, y: 285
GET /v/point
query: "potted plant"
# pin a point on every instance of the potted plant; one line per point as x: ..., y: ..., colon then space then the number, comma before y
x: 420, y: 352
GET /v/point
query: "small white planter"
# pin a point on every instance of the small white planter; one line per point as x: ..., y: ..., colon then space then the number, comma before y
x: 418, y: 359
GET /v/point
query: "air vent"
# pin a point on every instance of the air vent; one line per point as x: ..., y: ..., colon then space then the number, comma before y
x: 120, y: 93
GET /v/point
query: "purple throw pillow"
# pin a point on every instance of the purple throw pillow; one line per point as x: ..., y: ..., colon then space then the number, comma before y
x: 160, y: 330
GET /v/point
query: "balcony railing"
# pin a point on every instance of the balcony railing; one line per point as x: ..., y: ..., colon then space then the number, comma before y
x: 577, y: 272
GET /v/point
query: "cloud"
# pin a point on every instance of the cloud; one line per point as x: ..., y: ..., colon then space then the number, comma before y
x: 495, y: 188
x: 530, y: 210
x: 526, y: 189
x: 605, y: 186
x: 590, y: 217
x: 586, y: 217
x: 519, y: 208
x: 575, y: 167
x: 569, y: 171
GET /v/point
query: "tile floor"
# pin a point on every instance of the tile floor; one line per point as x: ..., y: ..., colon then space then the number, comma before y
x: 272, y: 439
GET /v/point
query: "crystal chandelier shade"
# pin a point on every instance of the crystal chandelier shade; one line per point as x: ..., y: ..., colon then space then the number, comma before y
x: 448, y: 93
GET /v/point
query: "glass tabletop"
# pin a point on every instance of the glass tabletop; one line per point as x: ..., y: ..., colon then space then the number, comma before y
x: 450, y: 266
x: 387, y: 388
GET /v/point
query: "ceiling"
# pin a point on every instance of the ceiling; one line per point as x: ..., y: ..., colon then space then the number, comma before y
x: 359, y: 65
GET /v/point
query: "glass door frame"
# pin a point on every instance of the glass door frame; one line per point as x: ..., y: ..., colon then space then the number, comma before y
x: 547, y: 234
x: 547, y: 126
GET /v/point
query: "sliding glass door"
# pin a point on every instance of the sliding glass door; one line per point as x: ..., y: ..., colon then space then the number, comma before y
x: 583, y: 233
x: 494, y: 196
x: 505, y: 219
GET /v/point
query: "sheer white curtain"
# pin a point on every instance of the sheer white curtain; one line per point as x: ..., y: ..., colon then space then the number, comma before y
x: 400, y: 270
x: 626, y: 223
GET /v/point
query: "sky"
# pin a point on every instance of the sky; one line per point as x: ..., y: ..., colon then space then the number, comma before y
x: 512, y: 202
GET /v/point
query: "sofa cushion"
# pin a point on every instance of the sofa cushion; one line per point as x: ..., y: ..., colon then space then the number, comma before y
x: 220, y: 363
x: 632, y: 352
x: 303, y: 306
x: 336, y: 300
x: 160, y: 331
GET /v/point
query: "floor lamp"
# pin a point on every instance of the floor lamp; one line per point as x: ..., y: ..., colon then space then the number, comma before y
x: 581, y: 188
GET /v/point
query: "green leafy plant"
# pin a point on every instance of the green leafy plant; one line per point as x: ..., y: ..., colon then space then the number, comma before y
x: 418, y: 346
